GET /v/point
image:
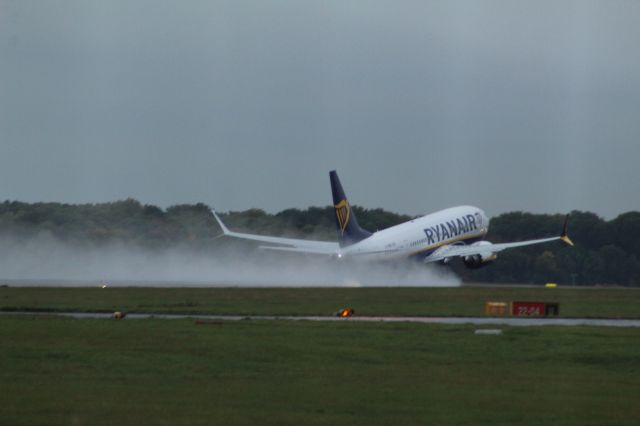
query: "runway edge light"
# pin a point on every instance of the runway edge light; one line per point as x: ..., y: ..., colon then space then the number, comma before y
x: 345, y: 313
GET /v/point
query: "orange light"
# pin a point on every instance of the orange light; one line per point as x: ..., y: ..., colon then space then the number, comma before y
x: 347, y: 312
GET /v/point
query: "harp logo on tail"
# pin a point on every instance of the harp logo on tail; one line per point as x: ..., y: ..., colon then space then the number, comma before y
x: 343, y: 211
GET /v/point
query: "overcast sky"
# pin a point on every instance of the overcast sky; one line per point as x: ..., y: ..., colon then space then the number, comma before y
x: 507, y: 105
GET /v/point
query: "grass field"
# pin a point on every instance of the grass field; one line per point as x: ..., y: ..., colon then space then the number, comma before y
x: 464, y: 301
x: 62, y: 371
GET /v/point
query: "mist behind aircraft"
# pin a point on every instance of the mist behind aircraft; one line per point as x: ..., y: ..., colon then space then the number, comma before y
x: 47, y: 260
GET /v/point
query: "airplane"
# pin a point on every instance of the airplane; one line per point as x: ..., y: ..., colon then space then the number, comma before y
x: 456, y: 232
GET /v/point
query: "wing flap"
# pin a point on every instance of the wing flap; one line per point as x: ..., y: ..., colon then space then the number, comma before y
x: 308, y: 250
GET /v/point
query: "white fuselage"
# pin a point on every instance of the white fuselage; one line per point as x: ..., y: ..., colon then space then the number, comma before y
x: 422, y: 236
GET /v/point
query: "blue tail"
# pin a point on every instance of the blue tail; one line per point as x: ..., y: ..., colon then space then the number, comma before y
x: 349, y: 232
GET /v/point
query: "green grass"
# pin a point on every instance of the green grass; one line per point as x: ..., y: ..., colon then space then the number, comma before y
x: 62, y: 371
x: 465, y: 301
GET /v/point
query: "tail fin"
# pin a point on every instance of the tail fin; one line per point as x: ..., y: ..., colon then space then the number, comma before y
x: 349, y: 232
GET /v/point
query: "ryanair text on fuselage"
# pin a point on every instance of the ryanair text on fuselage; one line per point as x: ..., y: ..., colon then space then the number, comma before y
x: 453, y: 228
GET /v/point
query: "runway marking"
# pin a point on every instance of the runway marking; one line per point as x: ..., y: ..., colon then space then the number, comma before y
x: 510, y: 321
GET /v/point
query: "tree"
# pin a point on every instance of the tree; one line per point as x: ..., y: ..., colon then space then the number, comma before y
x: 606, y: 252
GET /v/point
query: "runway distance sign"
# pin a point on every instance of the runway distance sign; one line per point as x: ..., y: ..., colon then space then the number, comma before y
x: 528, y: 309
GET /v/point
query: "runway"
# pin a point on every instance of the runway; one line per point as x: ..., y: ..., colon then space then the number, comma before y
x: 508, y: 321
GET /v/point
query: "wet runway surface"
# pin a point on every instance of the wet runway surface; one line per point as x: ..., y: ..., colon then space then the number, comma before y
x: 510, y: 321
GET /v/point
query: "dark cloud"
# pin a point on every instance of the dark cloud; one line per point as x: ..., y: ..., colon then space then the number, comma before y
x: 419, y: 105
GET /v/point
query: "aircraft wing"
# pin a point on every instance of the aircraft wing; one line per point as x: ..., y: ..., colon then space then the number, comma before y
x: 283, y: 244
x: 487, y: 249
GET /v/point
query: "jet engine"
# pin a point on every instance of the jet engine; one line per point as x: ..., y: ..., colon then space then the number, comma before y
x: 481, y: 259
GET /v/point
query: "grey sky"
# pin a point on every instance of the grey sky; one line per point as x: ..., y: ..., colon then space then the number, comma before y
x: 421, y: 105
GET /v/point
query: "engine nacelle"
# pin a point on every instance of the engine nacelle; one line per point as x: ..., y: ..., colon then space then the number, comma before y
x: 481, y: 259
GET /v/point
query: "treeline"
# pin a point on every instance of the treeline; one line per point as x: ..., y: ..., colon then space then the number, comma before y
x: 606, y: 252
x: 127, y: 222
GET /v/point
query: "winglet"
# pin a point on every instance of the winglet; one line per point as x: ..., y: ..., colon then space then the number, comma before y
x: 564, y: 237
x: 225, y: 230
